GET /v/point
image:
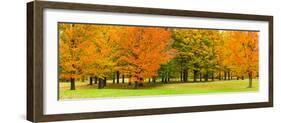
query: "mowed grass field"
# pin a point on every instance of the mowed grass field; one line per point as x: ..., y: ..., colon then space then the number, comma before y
x: 84, y: 90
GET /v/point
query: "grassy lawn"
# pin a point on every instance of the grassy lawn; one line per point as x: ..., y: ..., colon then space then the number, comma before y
x: 84, y: 90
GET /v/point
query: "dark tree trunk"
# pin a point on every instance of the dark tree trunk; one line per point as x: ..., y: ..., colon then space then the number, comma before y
x: 250, y: 80
x: 104, y: 82
x: 148, y: 80
x: 184, y: 75
x: 140, y: 84
x: 113, y: 79
x: 181, y: 76
x: 100, y: 83
x: 237, y: 78
x: 72, y: 84
x: 96, y: 80
x: 91, y: 80
x: 228, y: 75
x: 200, y: 76
x: 154, y: 80
x: 130, y: 83
x: 206, y: 76
x: 123, y: 79
x: 136, y: 85
x: 219, y: 75
x: 194, y: 75
x: 162, y: 80
x: 225, y: 75
x: 242, y: 77
x: 168, y: 79
x: 213, y: 79
x: 117, y: 76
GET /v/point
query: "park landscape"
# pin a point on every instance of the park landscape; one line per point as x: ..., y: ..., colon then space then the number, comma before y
x: 106, y: 61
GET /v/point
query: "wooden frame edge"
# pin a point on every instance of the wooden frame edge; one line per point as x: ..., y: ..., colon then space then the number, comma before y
x: 270, y: 59
x: 35, y: 61
x: 142, y: 112
x: 30, y: 88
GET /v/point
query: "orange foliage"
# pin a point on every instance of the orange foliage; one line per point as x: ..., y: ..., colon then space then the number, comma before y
x: 244, y: 52
x: 144, y: 50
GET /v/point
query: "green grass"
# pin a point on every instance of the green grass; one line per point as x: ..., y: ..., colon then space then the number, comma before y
x: 84, y: 90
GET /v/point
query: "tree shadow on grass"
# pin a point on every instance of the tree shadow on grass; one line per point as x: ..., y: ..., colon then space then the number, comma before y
x: 127, y: 86
x: 145, y: 85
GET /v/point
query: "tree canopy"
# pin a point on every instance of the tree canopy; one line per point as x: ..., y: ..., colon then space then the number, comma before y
x: 155, y: 52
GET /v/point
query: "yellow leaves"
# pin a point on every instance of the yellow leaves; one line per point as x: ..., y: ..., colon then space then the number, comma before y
x: 236, y: 50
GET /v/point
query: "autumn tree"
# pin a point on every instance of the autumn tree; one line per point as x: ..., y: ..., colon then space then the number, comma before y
x: 244, y: 55
x: 72, y: 38
x: 143, y: 50
x: 196, y: 51
x: 104, y: 52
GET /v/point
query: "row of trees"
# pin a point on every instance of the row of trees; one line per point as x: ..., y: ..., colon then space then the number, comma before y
x: 137, y: 53
x: 213, y: 54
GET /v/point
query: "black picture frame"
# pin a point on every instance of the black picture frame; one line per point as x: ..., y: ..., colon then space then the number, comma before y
x: 35, y: 60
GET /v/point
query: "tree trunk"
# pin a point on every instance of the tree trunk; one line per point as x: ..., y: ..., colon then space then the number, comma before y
x: 219, y: 75
x: 250, y: 80
x: 154, y: 80
x: 141, y: 82
x: 100, y: 83
x: 123, y: 79
x: 136, y: 85
x: 113, y: 79
x: 228, y: 75
x: 181, y: 76
x: 96, y: 80
x: 72, y: 84
x: 200, y: 76
x: 91, y: 80
x: 194, y: 75
x: 130, y: 80
x: 118, y: 76
x: 237, y: 77
x: 213, y: 79
x: 184, y: 75
x: 242, y: 77
x: 225, y: 75
x: 162, y: 79
x: 104, y: 82
x: 148, y: 80
x: 206, y: 77
x: 187, y: 75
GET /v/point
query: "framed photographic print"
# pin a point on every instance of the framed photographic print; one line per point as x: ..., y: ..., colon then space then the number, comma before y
x: 96, y: 61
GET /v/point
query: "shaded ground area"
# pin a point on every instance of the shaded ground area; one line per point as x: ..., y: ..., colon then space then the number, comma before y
x: 84, y: 90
